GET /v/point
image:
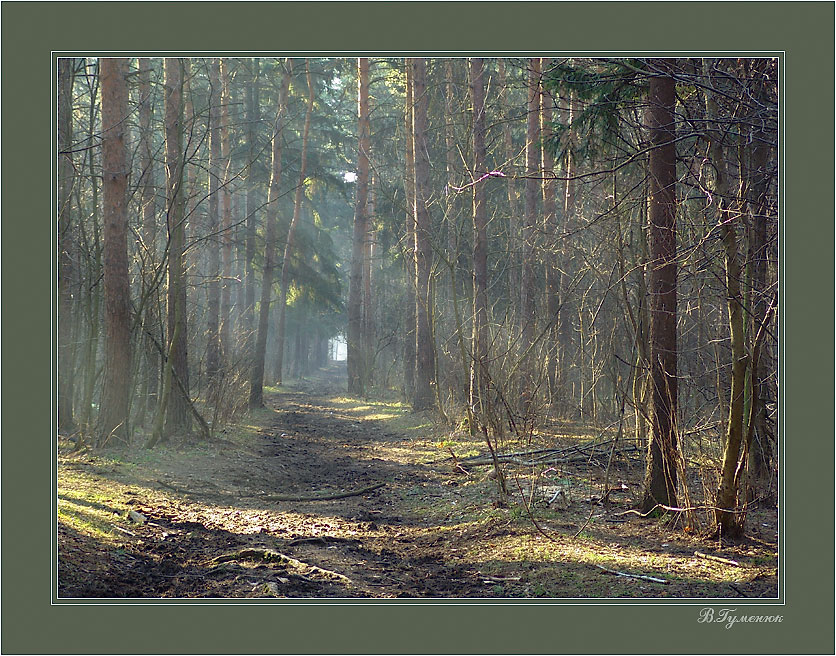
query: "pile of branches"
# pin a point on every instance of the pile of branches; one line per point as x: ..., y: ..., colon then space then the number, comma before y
x: 577, y: 454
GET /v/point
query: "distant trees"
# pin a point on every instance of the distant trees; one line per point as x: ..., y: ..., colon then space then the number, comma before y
x: 256, y: 397
x: 356, y: 357
x: 291, y: 231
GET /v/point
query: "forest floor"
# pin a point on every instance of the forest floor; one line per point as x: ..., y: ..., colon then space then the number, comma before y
x: 229, y: 517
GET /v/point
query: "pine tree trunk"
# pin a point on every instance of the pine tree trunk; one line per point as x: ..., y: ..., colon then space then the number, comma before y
x: 178, y: 412
x: 226, y: 220
x: 480, y: 340
x: 149, y: 234
x: 425, y: 354
x: 564, y: 325
x: 195, y: 258
x: 271, y: 228
x: 355, y: 357
x: 451, y: 161
x: 240, y: 266
x: 532, y: 170
x: 409, y: 250
x: 213, y: 348
x: 66, y: 246
x: 514, y: 287
x: 291, y: 233
x: 368, y: 310
x: 662, y: 460
x: 113, y: 417
x: 550, y: 231
x: 253, y: 118
x: 304, y: 347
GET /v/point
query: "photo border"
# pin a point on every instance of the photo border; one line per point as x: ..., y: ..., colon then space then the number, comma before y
x: 31, y: 623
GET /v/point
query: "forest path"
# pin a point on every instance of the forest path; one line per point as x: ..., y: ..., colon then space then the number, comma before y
x: 207, y: 504
x: 229, y: 518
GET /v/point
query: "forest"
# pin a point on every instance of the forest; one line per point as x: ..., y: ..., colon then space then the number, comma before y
x: 417, y: 327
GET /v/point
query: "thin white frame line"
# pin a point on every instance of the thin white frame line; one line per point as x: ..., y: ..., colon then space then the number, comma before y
x: 457, y: 601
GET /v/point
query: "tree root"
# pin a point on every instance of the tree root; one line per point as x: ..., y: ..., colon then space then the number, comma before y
x: 272, y: 556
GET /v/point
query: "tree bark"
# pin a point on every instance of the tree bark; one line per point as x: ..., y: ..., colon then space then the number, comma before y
x: 178, y: 412
x: 480, y: 339
x: 213, y: 348
x: 271, y: 228
x: 662, y: 459
x: 289, y: 243
x: 567, y: 305
x: 66, y: 246
x: 760, y: 452
x: 368, y: 297
x: 356, y: 358
x: 226, y: 219
x: 253, y: 118
x: 514, y: 288
x: 195, y: 258
x: 149, y: 233
x: 727, y: 492
x: 239, y: 328
x: 113, y: 417
x: 409, y: 250
x: 93, y: 257
x: 451, y: 166
x: 425, y: 354
x: 532, y: 170
x: 550, y: 231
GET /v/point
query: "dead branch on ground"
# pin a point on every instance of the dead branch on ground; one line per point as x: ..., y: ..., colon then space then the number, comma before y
x: 320, y: 497
x: 633, y: 576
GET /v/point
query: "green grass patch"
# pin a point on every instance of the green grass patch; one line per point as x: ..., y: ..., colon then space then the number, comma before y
x: 92, y: 505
